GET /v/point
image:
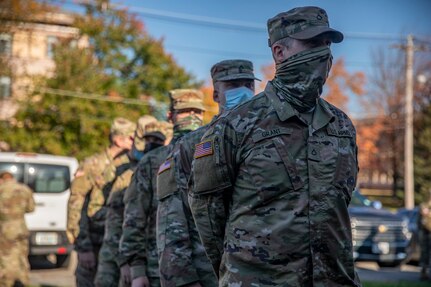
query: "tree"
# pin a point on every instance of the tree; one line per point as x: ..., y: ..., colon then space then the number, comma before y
x: 120, y: 71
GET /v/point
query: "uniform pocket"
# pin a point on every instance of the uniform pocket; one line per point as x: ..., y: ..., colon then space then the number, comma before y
x: 166, y: 183
x: 268, y: 170
x: 347, y: 167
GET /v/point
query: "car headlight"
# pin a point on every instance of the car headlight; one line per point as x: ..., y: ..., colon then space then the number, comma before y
x: 406, y: 230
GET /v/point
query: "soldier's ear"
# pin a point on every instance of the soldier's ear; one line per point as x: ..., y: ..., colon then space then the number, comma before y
x: 216, y: 97
x: 278, y: 53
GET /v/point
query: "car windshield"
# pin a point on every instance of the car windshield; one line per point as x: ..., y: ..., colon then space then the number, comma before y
x: 17, y: 169
x: 359, y: 200
x: 41, y: 178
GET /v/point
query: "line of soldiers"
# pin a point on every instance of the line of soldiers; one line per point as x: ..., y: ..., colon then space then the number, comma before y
x: 258, y: 197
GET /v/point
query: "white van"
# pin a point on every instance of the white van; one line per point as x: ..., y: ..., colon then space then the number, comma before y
x: 49, y: 177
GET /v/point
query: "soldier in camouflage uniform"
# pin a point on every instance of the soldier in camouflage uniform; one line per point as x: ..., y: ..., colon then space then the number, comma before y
x: 425, y: 237
x: 182, y: 258
x: 89, y: 191
x: 147, y: 137
x: 16, y: 199
x: 274, y: 176
x: 138, y: 243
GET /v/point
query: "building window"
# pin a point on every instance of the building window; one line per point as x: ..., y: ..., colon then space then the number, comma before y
x: 5, y: 44
x: 51, y: 42
x: 4, y: 87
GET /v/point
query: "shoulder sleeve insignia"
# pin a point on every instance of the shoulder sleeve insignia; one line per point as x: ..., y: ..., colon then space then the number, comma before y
x: 204, y: 149
x: 165, y: 166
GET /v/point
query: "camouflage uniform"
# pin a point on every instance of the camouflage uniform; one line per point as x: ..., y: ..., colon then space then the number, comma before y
x: 138, y: 242
x: 271, y: 191
x: 89, y: 191
x: 110, y: 260
x: 182, y: 258
x: 16, y: 199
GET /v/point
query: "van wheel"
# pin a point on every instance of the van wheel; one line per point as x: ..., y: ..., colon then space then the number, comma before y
x: 62, y: 261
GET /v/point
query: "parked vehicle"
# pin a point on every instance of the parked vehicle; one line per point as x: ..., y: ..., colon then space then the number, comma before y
x: 412, y: 215
x: 378, y: 234
x: 49, y: 177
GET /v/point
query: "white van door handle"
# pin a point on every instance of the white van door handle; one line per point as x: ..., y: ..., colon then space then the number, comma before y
x: 40, y: 204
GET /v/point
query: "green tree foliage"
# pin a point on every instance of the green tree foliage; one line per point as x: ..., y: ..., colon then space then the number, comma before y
x: 422, y: 130
x: 114, y: 69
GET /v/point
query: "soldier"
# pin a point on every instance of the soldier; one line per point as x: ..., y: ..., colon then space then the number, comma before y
x: 138, y: 243
x: 182, y: 258
x: 274, y: 176
x: 147, y: 137
x: 16, y: 199
x: 89, y: 191
x: 425, y: 237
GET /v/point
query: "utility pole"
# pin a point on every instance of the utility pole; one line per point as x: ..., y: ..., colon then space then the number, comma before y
x: 409, y: 195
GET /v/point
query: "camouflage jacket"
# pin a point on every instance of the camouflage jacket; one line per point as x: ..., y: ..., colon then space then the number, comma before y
x: 16, y: 199
x: 271, y: 192
x: 182, y: 258
x: 89, y: 192
x: 138, y: 241
x: 425, y: 215
x: 114, y: 214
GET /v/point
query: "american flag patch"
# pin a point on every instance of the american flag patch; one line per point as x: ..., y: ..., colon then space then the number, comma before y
x: 204, y: 149
x: 165, y: 166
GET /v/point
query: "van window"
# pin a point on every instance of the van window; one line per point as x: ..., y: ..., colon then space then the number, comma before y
x: 16, y: 168
x: 43, y: 178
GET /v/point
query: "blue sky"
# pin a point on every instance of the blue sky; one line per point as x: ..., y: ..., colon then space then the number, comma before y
x: 193, y: 34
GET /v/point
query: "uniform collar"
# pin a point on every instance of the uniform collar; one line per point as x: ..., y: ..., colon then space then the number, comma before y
x: 283, y: 108
x: 322, y: 114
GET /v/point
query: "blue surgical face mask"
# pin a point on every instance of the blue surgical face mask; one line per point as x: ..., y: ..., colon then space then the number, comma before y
x: 236, y: 96
x: 137, y: 154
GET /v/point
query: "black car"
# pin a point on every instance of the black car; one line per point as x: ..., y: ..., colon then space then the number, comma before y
x: 412, y: 215
x: 378, y: 234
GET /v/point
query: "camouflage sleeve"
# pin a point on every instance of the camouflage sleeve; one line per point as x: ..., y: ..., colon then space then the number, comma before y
x: 80, y: 187
x: 212, y: 173
x: 30, y: 201
x: 116, y: 211
x: 137, y: 201
x: 83, y: 241
x: 173, y: 237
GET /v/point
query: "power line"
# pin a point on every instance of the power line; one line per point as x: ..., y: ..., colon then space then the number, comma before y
x: 90, y: 96
x: 221, y: 22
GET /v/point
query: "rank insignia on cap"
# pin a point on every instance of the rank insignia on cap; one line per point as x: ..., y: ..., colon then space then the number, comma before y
x: 204, y: 149
x: 165, y: 166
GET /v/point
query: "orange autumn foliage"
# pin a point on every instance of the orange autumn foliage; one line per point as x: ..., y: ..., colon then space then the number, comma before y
x: 210, y: 105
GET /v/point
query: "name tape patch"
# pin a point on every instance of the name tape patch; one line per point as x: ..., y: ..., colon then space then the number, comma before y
x: 271, y: 133
x: 204, y: 149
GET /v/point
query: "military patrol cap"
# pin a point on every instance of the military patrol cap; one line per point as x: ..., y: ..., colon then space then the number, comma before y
x: 232, y: 70
x: 122, y: 127
x: 155, y: 129
x: 167, y: 129
x: 301, y: 23
x: 5, y: 171
x: 139, y: 141
x: 187, y: 99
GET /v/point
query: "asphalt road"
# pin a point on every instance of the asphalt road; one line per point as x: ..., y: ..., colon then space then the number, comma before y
x: 44, y: 274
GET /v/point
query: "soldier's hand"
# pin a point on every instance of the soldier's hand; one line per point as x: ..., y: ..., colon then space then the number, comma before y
x: 126, y: 276
x: 70, y: 236
x: 87, y: 259
x: 141, y: 282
